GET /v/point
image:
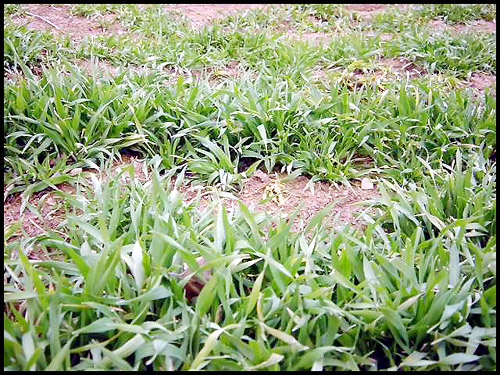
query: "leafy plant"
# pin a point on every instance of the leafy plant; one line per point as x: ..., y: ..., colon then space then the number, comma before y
x: 137, y: 277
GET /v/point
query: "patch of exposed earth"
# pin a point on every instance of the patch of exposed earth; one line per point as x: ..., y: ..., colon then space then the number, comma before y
x: 366, y: 7
x: 52, y: 211
x: 380, y: 71
x: 480, y: 82
x: 401, y: 66
x: 363, y: 11
x: 366, y: 10
x: 260, y: 192
x: 277, y: 195
x: 200, y: 15
x: 384, y: 69
x: 215, y: 74
x: 476, y: 25
x: 51, y: 204
x: 58, y: 19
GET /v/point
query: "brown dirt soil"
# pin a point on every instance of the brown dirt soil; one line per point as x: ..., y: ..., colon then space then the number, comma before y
x: 216, y: 74
x: 200, y: 15
x: 366, y: 10
x: 380, y: 71
x: 231, y: 69
x: 52, y: 212
x: 396, y: 68
x: 103, y: 67
x: 141, y: 172
x: 477, y: 25
x: 264, y: 192
x: 65, y: 23
x: 365, y: 7
x: 480, y: 81
x: 284, y: 198
x: 401, y: 66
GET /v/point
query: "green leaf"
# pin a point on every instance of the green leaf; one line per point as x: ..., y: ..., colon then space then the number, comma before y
x: 458, y: 358
x: 62, y: 355
x: 156, y: 293
x: 207, y: 296
x: 284, y: 337
x: 29, y: 349
x: 252, y: 299
x: 396, y: 326
x: 273, y: 359
x: 210, y: 344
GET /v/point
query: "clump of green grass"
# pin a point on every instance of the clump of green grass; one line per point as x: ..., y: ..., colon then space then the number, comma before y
x: 441, y: 52
x: 316, y: 132
x: 87, y: 10
x: 24, y: 46
x: 394, y: 19
x: 458, y: 13
x: 13, y: 10
x: 369, y: 302
x: 415, y: 290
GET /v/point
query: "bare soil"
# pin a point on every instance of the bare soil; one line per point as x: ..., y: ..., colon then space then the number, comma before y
x: 200, y: 15
x: 260, y: 192
x: 271, y: 193
x: 263, y: 192
x: 52, y: 212
x: 382, y: 70
x: 477, y: 25
x: 366, y: 7
x: 480, y: 82
x: 401, y: 66
x: 365, y: 11
x: 58, y: 19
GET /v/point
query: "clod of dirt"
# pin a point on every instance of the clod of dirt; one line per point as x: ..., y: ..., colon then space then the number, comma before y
x: 261, y: 176
x: 194, y: 286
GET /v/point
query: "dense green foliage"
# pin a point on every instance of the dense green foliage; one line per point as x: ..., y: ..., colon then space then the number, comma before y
x: 415, y: 290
